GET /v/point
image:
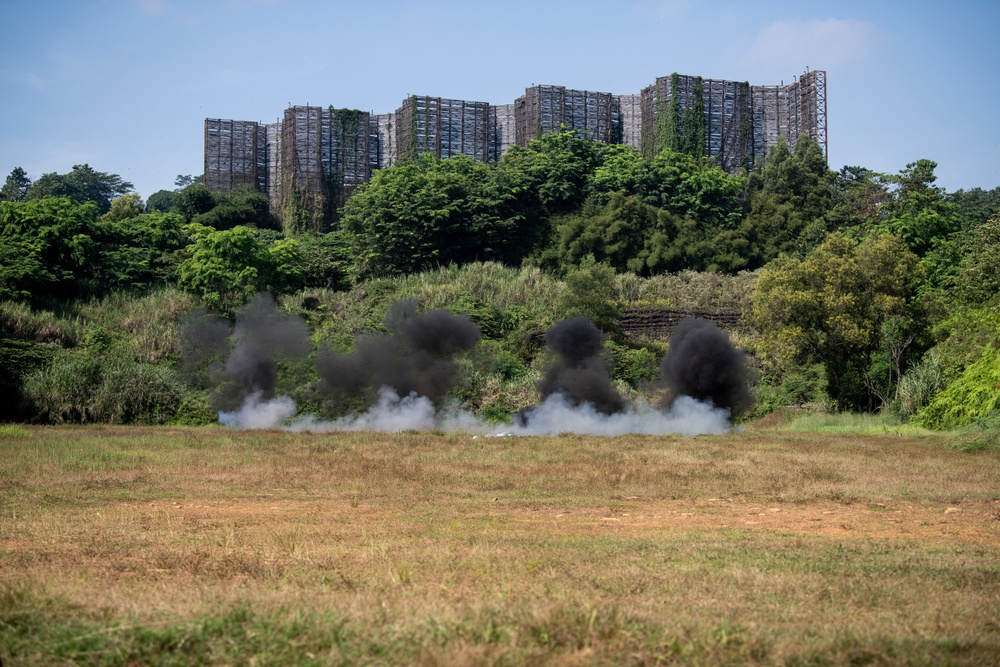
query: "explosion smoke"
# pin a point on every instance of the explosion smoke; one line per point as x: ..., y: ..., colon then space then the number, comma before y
x: 415, y: 357
x: 204, y: 343
x: 400, y: 380
x: 686, y: 416
x: 703, y: 364
x: 703, y: 370
x: 578, y: 372
x: 262, y: 334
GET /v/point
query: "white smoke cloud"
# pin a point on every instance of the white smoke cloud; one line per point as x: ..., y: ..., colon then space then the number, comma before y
x: 555, y: 415
x: 256, y: 413
x: 687, y: 417
x: 392, y: 413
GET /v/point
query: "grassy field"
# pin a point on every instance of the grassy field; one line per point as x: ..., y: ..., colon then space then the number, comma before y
x: 773, y: 545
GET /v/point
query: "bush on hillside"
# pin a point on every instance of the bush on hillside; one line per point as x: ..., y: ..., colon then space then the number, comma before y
x: 974, y: 396
x: 85, y: 388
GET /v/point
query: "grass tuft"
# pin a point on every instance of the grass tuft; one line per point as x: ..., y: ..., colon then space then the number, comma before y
x: 13, y: 431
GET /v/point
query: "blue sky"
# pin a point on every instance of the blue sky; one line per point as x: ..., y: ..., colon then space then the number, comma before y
x: 125, y: 85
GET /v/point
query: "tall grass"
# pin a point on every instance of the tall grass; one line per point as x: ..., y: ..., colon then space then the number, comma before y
x: 148, y: 325
x: 500, y: 299
x: 690, y: 290
x: 76, y: 388
x: 919, y: 384
x: 489, y: 283
x: 19, y: 320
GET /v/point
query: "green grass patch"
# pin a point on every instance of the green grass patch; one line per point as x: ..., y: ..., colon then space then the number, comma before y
x: 40, y: 630
x: 13, y: 431
x: 853, y: 424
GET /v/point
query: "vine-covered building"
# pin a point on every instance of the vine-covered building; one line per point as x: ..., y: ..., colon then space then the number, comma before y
x: 311, y: 161
x: 545, y: 108
x: 320, y: 155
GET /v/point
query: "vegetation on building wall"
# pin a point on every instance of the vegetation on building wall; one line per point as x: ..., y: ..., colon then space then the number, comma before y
x: 680, y: 122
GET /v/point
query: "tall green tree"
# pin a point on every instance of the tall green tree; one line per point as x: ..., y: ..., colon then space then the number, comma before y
x: 225, y: 267
x: 553, y: 170
x: 842, y: 305
x: 184, y: 180
x: 859, y: 199
x: 124, y: 207
x: 138, y: 252
x: 682, y: 184
x: 47, y: 249
x: 16, y: 186
x: 919, y: 212
x: 243, y: 205
x: 426, y: 213
x: 161, y: 201
x: 789, y: 202
x: 669, y: 213
x: 82, y: 184
x: 621, y: 233
x: 977, y: 281
x: 976, y: 206
x: 192, y: 201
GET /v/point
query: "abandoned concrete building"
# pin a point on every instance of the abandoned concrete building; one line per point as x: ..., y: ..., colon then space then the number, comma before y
x: 314, y: 157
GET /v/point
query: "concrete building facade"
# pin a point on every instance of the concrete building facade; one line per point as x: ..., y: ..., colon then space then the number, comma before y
x: 315, y: 157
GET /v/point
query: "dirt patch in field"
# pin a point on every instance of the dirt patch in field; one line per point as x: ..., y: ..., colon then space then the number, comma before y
x: 976, y: 521
x: 968, y: 521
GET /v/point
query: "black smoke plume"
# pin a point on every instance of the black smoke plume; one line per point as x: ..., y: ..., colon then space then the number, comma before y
x: 578, y: 371
x: 262, y: 335
x: 703, y: 364
x: 204, y: 343
x: 415, y: 356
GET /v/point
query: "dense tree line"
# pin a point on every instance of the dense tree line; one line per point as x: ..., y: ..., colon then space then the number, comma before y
x: 875, y: 291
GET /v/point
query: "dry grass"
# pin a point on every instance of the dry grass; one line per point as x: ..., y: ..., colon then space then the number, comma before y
x: 768, y: 546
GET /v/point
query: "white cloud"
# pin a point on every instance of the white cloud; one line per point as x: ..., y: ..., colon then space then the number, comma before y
x: 154, y: 7
x: 817, y: 43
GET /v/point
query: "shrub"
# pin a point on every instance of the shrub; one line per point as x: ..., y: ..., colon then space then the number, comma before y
x: 632, y: 365
x: 194, y: 409
x: 918, y: 385
x: 61, y: 391
x: 508, y: 366
x: 82, y: 388
x: 591, y: 292
x: 691, y: 289
x: 975, y: 395
x: 965, y: 334
x: 799, y: 385
x: 18, y: 358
